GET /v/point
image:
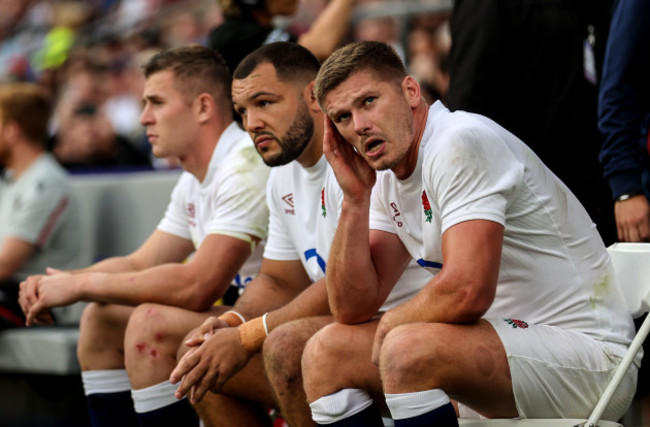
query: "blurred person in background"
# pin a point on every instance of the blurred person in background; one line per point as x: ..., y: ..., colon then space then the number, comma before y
x: 428, y: 58
x: 624, y: 121
x: 532, y: 66
x: 248, y: 24
x: 624, y: 118
x: 86, y: 137
x: 39, y: 217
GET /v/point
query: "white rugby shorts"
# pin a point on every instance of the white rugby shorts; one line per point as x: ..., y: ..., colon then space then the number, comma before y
x: 558, y: 373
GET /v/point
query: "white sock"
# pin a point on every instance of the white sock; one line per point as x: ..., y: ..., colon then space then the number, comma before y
x: 340, y: 405
x: 105, y: 381
x: 409, y: 405
x: 155, y: 397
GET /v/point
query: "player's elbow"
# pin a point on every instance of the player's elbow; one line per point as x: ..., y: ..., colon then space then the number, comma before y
x: 198, y: 302
x: 197, y: 294
x: 472, y: 305
x: 349, y: 315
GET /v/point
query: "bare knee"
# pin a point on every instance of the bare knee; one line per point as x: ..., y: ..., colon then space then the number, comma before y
x: 101, y: 336
x: 324, y: 350
x: 409, y: 357
x: 322, y: 360
x: 283, y: 351
x: 148, y: 335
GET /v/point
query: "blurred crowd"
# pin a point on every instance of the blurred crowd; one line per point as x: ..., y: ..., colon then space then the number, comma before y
x: 87, y: 54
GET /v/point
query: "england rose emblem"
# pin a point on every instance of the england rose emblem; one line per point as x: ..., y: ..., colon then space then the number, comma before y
x: 426, y: 206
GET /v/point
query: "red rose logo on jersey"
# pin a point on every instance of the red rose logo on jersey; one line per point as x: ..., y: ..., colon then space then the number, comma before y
x: 322, y: 202
x: 426, y: 206
x: 517, y: 323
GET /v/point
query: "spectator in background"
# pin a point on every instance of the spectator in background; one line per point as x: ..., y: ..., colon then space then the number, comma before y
x: 624, y: 121
x: 248, y: 24
x: 531, y: 66
x: 39, y: 217
x: 624, y: 118
x: 85, y: 135
x: 86, y: 140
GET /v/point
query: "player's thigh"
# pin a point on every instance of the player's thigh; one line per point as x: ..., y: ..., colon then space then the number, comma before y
x: 284, y: 346
x: 164, y: 323
x: 251, y: 383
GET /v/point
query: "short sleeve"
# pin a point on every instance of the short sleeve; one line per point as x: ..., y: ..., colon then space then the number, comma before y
x: 37, y: 211
x: 240, y: 204
x: 279, y: 245
x: 175, y: 219
x: 471, y: 174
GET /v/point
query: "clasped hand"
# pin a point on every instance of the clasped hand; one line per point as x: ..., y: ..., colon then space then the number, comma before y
x: 39, y: 293
x: 214, y: 356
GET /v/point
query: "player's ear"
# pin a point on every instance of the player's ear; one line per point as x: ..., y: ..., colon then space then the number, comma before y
x: 411, y: 90
x: 310, y: 98
x: 204, y: 107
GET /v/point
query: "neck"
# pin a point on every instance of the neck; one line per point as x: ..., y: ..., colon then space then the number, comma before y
x: 408, y: 164
x: 198, y: 160
x: 314, y: 151
x: 22, y: 158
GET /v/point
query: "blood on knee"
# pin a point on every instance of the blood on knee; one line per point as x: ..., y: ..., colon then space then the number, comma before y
x: 153, y: 353
x: 140, y: 347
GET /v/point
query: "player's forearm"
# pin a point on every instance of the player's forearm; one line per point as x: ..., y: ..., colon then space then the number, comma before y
x: 447, y: 298
x: 329, y: 29
x: 262, y: 295
x: 352, y: 285
x: 169, y: 284
x: 111, y: 265
x: 311, y: 302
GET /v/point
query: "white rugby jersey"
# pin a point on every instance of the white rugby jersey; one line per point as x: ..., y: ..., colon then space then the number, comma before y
x: 231, y: 198
x: 413, y: 278
x: 293, y: 195
x: 554, y: 267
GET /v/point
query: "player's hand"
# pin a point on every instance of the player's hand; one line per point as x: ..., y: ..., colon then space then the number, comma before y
x: 207, y: 367
x: 633, y: 219
x: 28, y: 296
x: 56, y: 289
x: 207, y: 328
x: 353, y: 173
x: 28, y: 293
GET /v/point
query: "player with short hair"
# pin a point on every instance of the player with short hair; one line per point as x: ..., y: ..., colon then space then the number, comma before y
x: 273, y: 91
x: 522, y: 317
x: 217, y: 214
